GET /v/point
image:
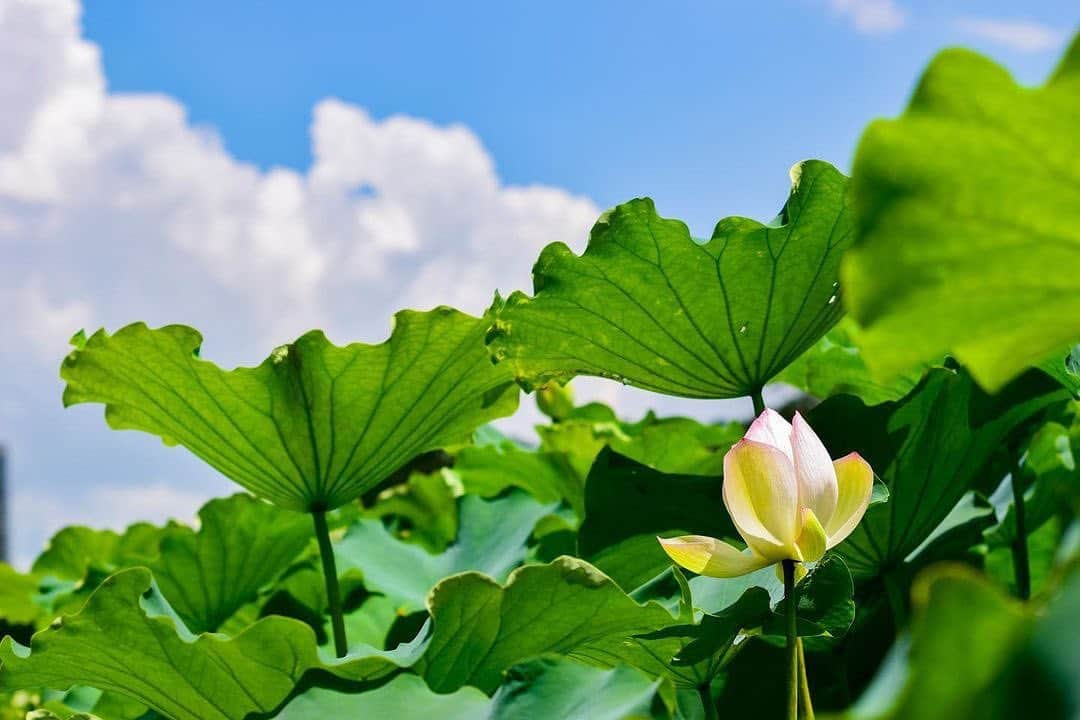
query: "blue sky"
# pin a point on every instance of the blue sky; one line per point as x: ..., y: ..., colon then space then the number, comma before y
x: 701, y: 105
x: 258, y: 169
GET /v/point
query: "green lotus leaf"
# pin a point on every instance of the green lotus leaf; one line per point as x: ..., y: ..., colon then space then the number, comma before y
x: 835, y: 366
x: 929, y: 448
x: 242, y: 545
x: 17, y: 591
x: 627, y: 504
x: 75, y: 550
x: 389, y: 701
x: 553, y: 687
x: 548, y: 476
x: 649, y: 306
x: 968, y: 209
x: 567, y: 607
x: 313, y: 426
x: 547, y: 687
x: 492, y: 539
x: 126, y: 643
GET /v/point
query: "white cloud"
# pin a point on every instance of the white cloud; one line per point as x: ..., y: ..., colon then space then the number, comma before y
x: 115, y: 208
x: 1019, y: 35
x: 871, y: 17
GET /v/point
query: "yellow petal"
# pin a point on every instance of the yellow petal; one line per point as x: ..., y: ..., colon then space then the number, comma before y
x: 854, y: 484
x: 813, y: 470
x: 812, y: 540
x: 762, y: 497
x: 708, y: 556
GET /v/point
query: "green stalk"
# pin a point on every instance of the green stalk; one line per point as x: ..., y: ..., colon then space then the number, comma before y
x: 333, y: 591
x: 705, y: 693
x: 804, y: 684
x: 759, y: 402
x: 792, y: 639
x: 1021, y: 563
x: 897, y: 601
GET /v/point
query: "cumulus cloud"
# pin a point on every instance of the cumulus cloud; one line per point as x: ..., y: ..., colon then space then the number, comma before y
x: 115, y: 208
x: 871, y: 17
x: 1020, y: 35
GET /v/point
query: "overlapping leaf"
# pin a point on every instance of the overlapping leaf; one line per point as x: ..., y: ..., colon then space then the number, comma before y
x: 314, y: 425
x: 548, y: 687
x: 968, y: 209
x: 649, y: 306
x: 491, y: 539
x: 116, y: 644
x: 928, y: 448
x: 482, y: 628
x: 242, y: 544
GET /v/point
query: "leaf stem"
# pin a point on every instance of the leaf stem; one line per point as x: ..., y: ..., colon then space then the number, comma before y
x: 707, y: 704
x: 333, y: 591
x: 1021, y: 563
x: 897, y: 601
x: 792, y: 638
x: 804, y: 684
x: 759, y: 402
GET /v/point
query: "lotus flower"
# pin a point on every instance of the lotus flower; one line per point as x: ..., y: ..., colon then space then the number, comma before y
x: 787, y: 498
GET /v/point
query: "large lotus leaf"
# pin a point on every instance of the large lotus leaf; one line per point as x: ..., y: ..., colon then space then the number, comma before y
x: 492, y: 539
x: 648, y: 305
x: 121, y: 642
x: 547, y: 687
x: 929, y: 448
x: 968, y: 209
x: 315, y: 425
x: 242, y: 545
x: 482, y: 628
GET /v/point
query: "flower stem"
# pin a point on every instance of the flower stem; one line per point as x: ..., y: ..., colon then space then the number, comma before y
x: 1021, y: 564
x: 333, y: 591
x: 759, y: 402
x: 804, y: 684
x: 792, y: 639
x: 707, y: 704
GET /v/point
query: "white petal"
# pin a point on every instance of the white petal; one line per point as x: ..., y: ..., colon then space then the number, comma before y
x: 708, y: 556
x: 814, y: 470
x: 855, y: 483
x: 771, y: 428
x: 762, y: 497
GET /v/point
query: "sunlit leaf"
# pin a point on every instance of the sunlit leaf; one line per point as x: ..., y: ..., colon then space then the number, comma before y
x: 242, y: 544
x: 968, y: 209
x: 491, y: 539
x: 648, y: 305
x: 835, y: 365
x: 120, y: 642
x: 547, y: 687
x: 482, y: 628
x: 313, y: 426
